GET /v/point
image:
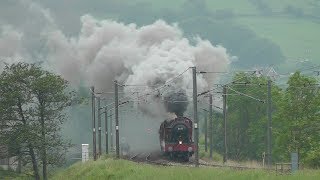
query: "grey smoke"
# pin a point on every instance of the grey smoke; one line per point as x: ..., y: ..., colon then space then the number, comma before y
x: 176, y: 102
x: 24, y: 26
x: 105, y: 50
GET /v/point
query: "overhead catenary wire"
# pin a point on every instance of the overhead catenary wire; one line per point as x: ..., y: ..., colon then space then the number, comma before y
x: 158, y: 88
x: 212, y: 72
x: 217, y: 107
x: 249, y: 96
x: 145, y: 94
x: 167, y: 84
x: 300, y: 70
x: 135, y: 85
x: 108, y: 93
x: 210, y: 90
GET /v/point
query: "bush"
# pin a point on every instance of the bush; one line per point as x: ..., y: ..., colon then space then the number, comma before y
x: 313, y: 159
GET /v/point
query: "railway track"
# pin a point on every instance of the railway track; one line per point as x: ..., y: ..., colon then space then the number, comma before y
x: 150, y: 158
x: 226, y: 166
x: 156, y: 159
x: 133, y: 157
x: 147, y: 158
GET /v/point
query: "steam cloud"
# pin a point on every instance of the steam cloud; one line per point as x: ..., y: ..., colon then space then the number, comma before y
x: 176, y: 102
x: 106, y: 50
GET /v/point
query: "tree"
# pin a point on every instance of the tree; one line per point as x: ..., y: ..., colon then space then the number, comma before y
x: 247, y: 116
x: 34, y: 103
x: 297, y: 122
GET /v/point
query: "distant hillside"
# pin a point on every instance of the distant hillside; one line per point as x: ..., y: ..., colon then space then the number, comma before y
x: 259, y: 32
x: 292, y: 24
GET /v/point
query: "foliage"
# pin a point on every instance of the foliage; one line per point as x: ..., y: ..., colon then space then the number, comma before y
x: 247, y: 117
x: 297, y: 122
x: 33, y: 103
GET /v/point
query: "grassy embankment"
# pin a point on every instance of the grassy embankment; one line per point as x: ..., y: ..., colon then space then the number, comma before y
x: 122, y: 169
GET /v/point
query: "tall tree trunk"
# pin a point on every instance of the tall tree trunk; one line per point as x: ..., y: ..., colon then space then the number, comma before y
x: 44, y: 152
x: 30, y: 146
x: 43, y: 137
x: 34, y: 163
x: 19, y: 161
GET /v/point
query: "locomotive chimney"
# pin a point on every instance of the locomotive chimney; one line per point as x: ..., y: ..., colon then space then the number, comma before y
x: 179, y: 114
x: 176, y: 102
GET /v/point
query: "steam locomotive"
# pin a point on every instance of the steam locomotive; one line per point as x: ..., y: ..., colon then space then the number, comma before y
x: 176, y: 138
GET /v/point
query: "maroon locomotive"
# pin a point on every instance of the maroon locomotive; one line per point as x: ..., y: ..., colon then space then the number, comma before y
x: 176, y: 138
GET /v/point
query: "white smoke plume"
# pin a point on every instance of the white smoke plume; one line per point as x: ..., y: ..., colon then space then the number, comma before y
x: 106, y: 50
x: 24, y: 26
x: 11, y: 49
x: 150, y: 55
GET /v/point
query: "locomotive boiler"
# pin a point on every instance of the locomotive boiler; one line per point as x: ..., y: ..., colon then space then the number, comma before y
x: 176, y: 138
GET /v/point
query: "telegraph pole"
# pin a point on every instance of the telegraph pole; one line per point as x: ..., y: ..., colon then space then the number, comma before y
x: 106, y: 127
x: 94, y: 123
x: 225, y: 155
x: 195, y: 114
x: 99, y: 126
x: 211, y: 125
x: 116, y: 111
x: 205, y: 130
x: 269, y: 128
x: 111, y: 132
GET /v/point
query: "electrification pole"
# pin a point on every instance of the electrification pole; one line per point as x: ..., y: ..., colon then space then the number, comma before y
x: 211, y: 125
x: 195, y: 114
x: 269, y: 128
x: 106, y: 127
x: 225, y: 155
x: 99, y: 126
x: 116, y: 111
x: 111, y: 132
x: 205, y: 130
x: 94, y: 123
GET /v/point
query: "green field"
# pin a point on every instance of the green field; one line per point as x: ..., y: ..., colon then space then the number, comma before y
x: 122, y: 169
x: 297, y: 36
x: 277, y: 5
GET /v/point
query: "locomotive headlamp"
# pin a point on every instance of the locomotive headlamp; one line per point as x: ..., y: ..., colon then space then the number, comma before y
x: 180, y: 142
x: 190, y: 149
x: 170, y: 148
x: 196, y: 125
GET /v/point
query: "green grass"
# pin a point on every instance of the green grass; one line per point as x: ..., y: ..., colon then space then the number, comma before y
x: 5, y: 173
x: 122, y: 169
x: 9, y: 174
x: 206, y: 155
